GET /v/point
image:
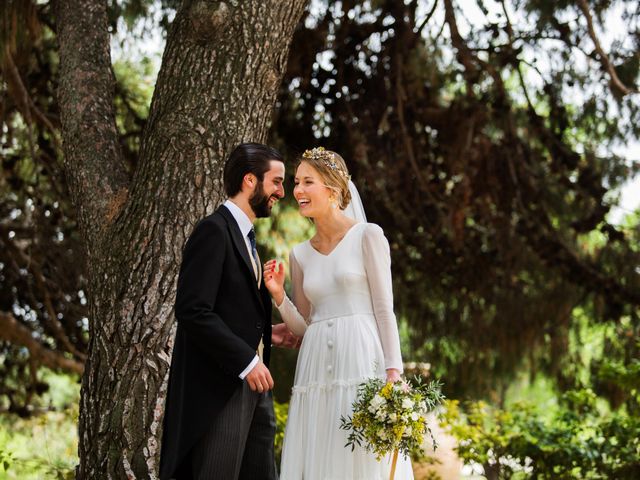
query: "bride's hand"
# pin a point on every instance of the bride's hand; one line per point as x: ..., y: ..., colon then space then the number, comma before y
x: 393, y: 375
x: 274, y: 279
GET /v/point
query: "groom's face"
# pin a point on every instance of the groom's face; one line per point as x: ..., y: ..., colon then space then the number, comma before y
x: 268, y: 191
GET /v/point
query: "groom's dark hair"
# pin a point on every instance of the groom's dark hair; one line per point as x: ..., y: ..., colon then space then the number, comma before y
x: 247, y: 158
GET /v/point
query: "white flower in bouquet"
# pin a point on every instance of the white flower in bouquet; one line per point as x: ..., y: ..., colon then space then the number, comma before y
x: 407, y: 403
x: 378, y: 402
x: 392, y: 417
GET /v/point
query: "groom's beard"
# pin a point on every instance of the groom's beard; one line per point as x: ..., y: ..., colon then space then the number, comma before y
x: 259, y: 202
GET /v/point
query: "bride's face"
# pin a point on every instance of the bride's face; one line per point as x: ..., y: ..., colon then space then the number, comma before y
x: 310, y: 192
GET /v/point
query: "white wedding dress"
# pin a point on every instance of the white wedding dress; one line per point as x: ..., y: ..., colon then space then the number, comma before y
x: 343, y: 304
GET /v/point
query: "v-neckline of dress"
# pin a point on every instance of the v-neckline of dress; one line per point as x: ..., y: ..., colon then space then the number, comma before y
x: 327, y: 255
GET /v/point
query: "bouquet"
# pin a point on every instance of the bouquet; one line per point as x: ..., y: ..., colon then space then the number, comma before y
x: 392, y: 417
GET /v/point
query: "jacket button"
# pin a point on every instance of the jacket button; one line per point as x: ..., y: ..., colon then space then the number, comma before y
x: 258, y: 326
x: 330, y: 343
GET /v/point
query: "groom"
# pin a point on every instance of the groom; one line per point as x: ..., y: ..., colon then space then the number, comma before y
x: 219, y: 421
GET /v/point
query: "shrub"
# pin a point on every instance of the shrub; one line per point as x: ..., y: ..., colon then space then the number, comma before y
x: 577, y: 443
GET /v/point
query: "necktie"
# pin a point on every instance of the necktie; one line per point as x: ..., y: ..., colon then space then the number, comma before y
x: 256, y: 259
x: 254, y: 251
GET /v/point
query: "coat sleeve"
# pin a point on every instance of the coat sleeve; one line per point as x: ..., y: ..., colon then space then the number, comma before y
x: 198, y: 284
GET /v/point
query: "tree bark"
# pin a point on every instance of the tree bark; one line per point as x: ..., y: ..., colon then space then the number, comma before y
x: 218, y: 82
x: 97, y: 180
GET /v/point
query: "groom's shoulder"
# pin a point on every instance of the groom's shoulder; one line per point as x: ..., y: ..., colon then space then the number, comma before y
x: 218, y: 218
x: 213, y: 223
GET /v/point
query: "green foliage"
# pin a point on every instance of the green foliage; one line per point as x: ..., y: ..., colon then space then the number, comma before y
x: 45, y: 444
x: 577, y: 442
x: 492, y: 177
x: 63, y: 392
x: 130, y: 12
x: 6, y: 458
x: 487, y: 159
x: 615, y: 373
x: 627, y: 377
x: 281, y: 410
x: 134, y: 85
x: 277, y: 234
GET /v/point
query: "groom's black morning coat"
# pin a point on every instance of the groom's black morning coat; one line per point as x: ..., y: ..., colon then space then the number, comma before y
x: 221, y: 316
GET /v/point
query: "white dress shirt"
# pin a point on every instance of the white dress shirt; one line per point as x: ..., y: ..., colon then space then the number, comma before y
x: 245, y: 225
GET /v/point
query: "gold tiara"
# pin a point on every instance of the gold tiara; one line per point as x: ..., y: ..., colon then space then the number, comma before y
x: 319, y: 153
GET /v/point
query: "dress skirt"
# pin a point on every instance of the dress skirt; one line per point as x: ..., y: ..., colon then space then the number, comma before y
x: 336, y: 355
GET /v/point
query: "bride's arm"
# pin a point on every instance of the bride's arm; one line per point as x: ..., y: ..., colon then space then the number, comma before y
x: 294, y: 311
x: 377, y: 263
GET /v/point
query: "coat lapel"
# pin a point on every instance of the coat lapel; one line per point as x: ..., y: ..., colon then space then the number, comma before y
x: 266, y: 297
x: 240, y: 246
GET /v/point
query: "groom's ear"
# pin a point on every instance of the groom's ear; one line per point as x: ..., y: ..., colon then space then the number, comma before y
x: 249, y: 180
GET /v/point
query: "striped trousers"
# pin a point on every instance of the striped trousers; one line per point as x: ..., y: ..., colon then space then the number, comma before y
x: 239, y: 443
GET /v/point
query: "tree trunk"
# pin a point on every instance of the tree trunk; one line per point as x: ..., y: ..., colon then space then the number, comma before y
x: 217, y: 86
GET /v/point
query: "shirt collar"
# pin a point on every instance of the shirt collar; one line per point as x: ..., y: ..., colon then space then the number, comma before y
x: 240, y: 217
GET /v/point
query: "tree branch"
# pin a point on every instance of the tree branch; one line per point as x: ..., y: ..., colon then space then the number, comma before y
x: 24, y: 100
x: 473, y: 66
x: 93, y: 158
x: 51, y: 319
x: 14, y: 332
x: 22, y: 96
x: 427, y: 18
x: 604, y: 59
x: 517, y: 62
x: 406, y: 136
x: 465, y: 57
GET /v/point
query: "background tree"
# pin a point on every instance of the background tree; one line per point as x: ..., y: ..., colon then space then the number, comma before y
x: 488, y: 158
x: 485, y: 144
x: 42, y: 293
x: 217, y: 85
x: 43, y: 303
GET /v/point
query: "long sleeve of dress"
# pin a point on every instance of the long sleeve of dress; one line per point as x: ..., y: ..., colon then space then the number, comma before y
x: 377, y: 264
x: 295, y: 312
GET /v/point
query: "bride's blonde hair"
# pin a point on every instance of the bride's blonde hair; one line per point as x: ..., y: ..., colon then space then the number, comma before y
x: 333, y: 171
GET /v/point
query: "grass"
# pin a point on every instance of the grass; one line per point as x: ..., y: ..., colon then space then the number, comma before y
x: 45, y: 445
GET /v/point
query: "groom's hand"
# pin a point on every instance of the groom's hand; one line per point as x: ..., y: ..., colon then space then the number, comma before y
x: 259, y: 378
x: 281, y: 336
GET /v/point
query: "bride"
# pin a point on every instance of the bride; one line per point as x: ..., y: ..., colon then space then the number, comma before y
x: 342, y: 302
